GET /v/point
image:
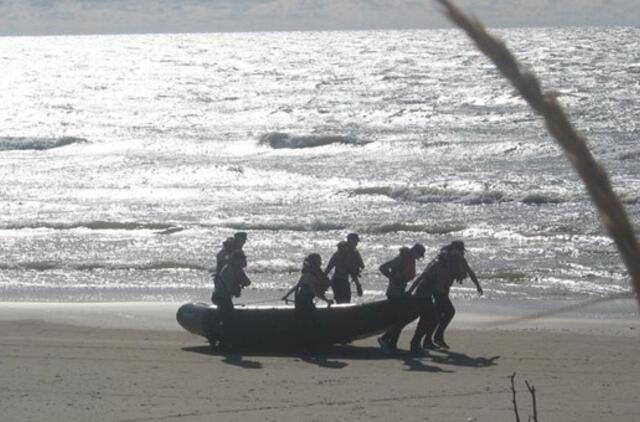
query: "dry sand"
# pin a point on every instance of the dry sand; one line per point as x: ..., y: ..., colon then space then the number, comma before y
x: 60, y: 372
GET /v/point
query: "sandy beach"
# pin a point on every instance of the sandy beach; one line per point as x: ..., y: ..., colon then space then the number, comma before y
x: 78, y: 371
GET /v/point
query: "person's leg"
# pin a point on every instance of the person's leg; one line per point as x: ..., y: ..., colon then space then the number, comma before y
x: 305, y: 317
x: 389, y: 340
x: 431, y: 323
x: 347, y: 291
x: 392, y: 335
x: 447, y: 312
x: 341, y: 288
x: 416, y: 348
x: 225, y: 315
x: 426, y: 324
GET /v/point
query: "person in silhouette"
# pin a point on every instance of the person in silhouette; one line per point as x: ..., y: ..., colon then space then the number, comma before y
x: 222, y: 258
x: 400, y: 270
x: 229, y: 283
x: 423, y: 288
x: 347, y: 263
x: 432, y: 288
x: 313, y: 284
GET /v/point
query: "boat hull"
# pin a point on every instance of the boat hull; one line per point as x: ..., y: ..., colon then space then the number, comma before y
x: 277, y: 327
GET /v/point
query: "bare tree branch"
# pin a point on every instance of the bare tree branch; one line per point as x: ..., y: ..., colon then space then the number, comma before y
x: 610, y: 209
x: 532, y: 390
x: 513, y: 399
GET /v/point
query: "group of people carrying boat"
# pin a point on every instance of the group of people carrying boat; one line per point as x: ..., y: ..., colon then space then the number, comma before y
x: 430, y: 288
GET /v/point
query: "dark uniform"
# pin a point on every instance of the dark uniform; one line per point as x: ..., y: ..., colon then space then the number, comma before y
x: 222, y: 259
x: 230, y: 282
x: 313, y: 283
x: 436, y: 280
x: 426, y: 284
x: 347, y: 263
x: 399, y: 271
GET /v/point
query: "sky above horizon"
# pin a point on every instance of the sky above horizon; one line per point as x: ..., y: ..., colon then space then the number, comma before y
x: 53, y: 17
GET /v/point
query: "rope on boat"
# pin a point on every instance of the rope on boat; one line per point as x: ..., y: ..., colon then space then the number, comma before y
x: 259, y: 302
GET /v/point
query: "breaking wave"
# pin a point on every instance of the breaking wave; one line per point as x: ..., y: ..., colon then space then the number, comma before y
x: 100, y: 225
x: 426, y: 195
x: 11, y: 143
x: 541, y: 199
x: 274, y: 266
x: 316, y: 226
x: 416, y: 228
x: 280, y: 140
x: 277, y: 266
x: 629, y: 156
x: 91, y: 266
x: 507, y: 276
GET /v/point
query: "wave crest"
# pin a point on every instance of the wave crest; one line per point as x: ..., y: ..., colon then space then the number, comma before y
x: 279, y: 140
x: 100, y: 225
x: 634, y: 155
x: 416, y: 228
x: 426, y: 195
x: 315, y: 226
x: 92, y: 266
x: 17, y: 143
x: 541, y: 199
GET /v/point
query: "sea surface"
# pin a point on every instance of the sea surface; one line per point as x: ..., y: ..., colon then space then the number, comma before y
x: 125, y: 160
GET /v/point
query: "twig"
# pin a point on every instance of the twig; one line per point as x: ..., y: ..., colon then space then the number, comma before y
x: 513, y: 399
x: 532, y: 390
x: 610, y: 208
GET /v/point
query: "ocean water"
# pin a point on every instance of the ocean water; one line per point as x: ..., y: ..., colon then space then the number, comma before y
x: 126, y: 160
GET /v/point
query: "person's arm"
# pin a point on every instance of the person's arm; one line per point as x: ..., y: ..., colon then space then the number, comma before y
x: 356, y: 281
x: 417, y: 281
x: 220, y: 262
x: 387, y: 269
x: 356, y: 274
x: 244, y: 280
x: 359, y: 260
x: 290, y: 292
x: 323, y: 297
x: 320, y: 286
x: 473, y: 277
x: 331, y: 264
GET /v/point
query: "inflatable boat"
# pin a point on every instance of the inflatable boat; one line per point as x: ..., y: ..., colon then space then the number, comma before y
x: 276, y: 327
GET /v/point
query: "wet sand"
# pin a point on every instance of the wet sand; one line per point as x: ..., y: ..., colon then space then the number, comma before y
x: 62, y: 372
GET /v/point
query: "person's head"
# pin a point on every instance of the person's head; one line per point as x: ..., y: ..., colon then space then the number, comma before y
x: 240, y: 238
x: 238, y: 259
x: 312, y: 262
x: 228, y: 244
x: 417, y: 250
x: 454, y: 248
x: 353, y: 239
x: 343, y: 246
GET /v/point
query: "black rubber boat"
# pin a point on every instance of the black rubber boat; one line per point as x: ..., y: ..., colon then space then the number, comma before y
x: 275, y: 327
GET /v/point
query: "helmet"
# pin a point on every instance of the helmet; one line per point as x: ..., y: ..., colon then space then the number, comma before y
x: 354, y: 237
x: 418, y: 249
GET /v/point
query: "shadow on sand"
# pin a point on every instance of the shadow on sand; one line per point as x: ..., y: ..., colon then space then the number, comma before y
x: 448, y: 357
x: 337, y: 357
x: 235, y: 359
